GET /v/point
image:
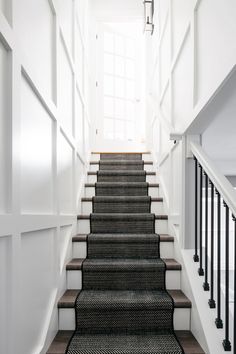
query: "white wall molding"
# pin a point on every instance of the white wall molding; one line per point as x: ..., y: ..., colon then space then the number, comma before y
x: 46, y: 154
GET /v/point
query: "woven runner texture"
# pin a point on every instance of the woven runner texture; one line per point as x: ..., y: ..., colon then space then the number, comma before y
x: 123, y: 307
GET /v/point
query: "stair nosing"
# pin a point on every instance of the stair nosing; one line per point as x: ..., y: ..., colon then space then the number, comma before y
x: 84, y: 237
x: 171, y: 264
x: 150, y: 185
x: 68, y: 299
x: 94, y: 173
x: 62, y: 339
x: 145, y: 162
x: 87, y: 216
x: 154, y: 200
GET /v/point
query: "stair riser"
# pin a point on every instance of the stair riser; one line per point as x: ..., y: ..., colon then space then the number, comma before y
x: 145, y: 157
x: 74, y: 279
x: 80, y: 249
x: 149, y: 179
x: 152, y: 192
x: 83, y: 226
x: 156, y: 208
x: 95, y: 167
x: 67, y: 319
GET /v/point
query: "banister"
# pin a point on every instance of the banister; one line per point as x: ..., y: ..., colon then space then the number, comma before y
x: 220, y: 182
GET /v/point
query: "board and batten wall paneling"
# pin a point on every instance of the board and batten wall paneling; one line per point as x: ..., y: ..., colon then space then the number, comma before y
x: 44, y: 151
x: 194, y: 53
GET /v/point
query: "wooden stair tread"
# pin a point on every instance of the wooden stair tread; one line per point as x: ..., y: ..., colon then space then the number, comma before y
x: 84, y: 237
x: 145, y: 162
x: 120, y: 152
x: 87, y: 217
x: 148, y: 173
x: 172, y: 264
x: 69, y: 297
x: 80, y: 238
x: 186, y: 339
x: 85, y: 199
x: 76, y: 264
x: 151, y: 185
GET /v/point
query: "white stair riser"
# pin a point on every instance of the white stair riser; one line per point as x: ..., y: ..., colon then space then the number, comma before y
x: 153, y: 192
x: 83, y: 226
x: 80, y: 249
x: 156, y: 208
x: 74, y: 279
x: 149, y: 179
x: 67, y: 319
x: 95, y: 168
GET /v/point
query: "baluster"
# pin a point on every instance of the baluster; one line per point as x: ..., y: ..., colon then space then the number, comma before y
x: 218, y: 321
x: 200, y: 270
x: 234, y: 219
x: 226, y: 342
x: 196, y: 257
x: 211, y: 301
x: 206, y: 284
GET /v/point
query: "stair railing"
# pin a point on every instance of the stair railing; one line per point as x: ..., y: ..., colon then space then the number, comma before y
x: 208, y: 177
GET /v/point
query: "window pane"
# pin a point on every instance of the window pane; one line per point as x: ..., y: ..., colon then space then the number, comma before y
x: 108, y: 85
x: 120, y: 66
x: 119, y: 45
x: 130, y: 111
x: 130, y: 92
x: 108, y: 63
x: 130, y: 130
x: 130, y: 68
x: 120, y: 108
x: 108, y: 128
x: 108, y: 106
x: 108, y: 42
x: 120, y: 87
x: 130, y: 48
x: 120, y: 129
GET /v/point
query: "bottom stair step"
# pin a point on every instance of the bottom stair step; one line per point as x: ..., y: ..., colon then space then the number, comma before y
x: 186, y: 339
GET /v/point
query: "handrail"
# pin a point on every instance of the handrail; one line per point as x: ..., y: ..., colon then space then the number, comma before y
x: 220, y: 182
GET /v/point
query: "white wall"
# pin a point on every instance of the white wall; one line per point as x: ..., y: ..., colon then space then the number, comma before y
x: 44, y: 149
x: 192, y: 53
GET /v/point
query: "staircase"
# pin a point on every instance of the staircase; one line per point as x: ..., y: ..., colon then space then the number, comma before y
x: 123, y: 283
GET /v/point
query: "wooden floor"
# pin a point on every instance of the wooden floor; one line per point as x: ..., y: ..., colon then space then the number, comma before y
x: 186, y: 339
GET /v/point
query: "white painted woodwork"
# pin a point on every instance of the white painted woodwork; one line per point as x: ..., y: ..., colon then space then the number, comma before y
x: 44, y: 149
x: 67, y: 319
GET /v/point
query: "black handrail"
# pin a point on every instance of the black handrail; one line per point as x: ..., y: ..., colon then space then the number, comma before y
x: 215, y: 281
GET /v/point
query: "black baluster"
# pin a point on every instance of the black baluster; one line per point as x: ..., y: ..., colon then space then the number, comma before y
x: 196, y: 257
x: 211, y: 301
x: 206, y: 284
x: 234, y: 219
x: 200, y: 270
x: 226, y: 342
x: 218, y: 321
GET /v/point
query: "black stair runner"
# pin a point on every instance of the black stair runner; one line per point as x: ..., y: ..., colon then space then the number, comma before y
x: 124, y: 307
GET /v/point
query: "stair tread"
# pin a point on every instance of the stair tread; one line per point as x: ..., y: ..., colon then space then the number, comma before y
x: 69, y: 297
x: 80, y: 238
x: 171, y: 264
x: 120, y: 152
x: 84, y: 237
x: 118, y: 162
x: 114, y: 215
x: 75, y: 264
x: 132, y: 198
x: 151, y: 185
x: 94, y: 173
x: 186, y: 339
